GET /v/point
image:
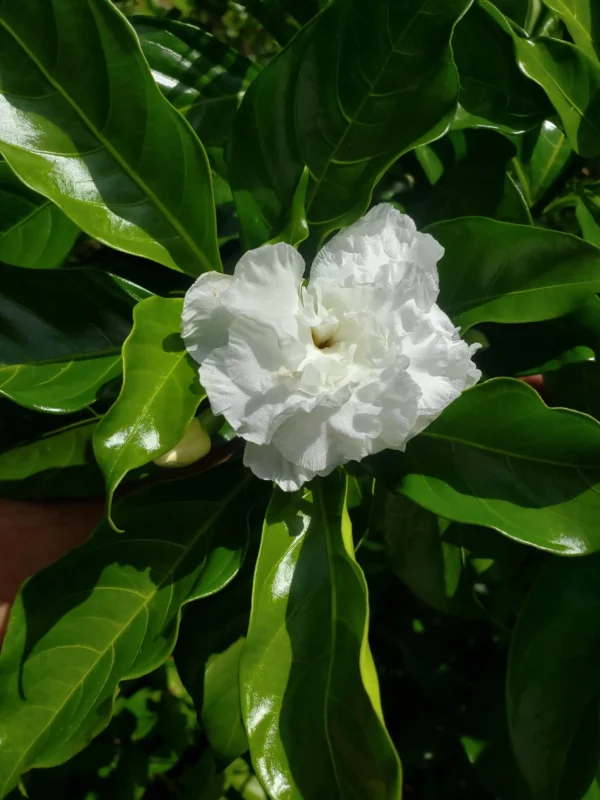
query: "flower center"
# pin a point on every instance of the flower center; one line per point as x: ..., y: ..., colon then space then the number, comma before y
x: 323, y: 335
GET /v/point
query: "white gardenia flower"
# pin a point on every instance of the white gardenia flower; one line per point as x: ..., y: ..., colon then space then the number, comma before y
x: 358, y: 361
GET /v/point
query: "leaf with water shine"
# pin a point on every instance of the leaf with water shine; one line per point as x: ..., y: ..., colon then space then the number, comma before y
x: 61, y: 338
x: 310, y: 696
x: 159, y: 397
x: 109, y: 611
x: 358, y: 86
x: 83, y: 123
x: 533, y: 475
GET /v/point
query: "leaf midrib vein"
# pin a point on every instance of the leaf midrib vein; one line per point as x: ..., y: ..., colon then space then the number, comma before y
x: 506, y: 453
x: 142, y: 607
x: 134, y: 176
x: 362, y: 104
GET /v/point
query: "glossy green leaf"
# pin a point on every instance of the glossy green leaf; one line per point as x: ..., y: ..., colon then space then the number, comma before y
x: 493, y: 90
x: 106, y: 612
x: 546, y: 342
x: 310, y: 697
x: 583, y: 23
x: 533, y: 475
x: 59, y: 464
x: 33, y: 231
x: 476, y: 184
x: 540, y: 165
x: 207, y: 656
x: 361, y: 84
x: 433, y: 569
x: 498, y: 272
x: 570, y: 79
x: 575, y: 386
x: 588, y: 211
x: 517, y: 10
x: 60, y: 337
x: 197, y: 73
x: 87, y: 127
x: 553, y: 681
x: 159, y: 397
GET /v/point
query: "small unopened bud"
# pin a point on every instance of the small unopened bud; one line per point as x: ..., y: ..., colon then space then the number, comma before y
x: 194, y: 445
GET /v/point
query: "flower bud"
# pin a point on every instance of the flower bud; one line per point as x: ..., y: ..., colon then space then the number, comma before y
x: 194, y: 445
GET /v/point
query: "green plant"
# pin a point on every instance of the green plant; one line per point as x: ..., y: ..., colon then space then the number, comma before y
x: 437, y: 608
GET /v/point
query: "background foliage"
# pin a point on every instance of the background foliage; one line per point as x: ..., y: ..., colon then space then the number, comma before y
x: 422, y: 625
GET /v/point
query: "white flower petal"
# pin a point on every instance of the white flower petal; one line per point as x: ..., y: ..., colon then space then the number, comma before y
x: 266, y: 288
x: 382, y: 247
x: 266, y: 462
x: 440, y: 364
x: 204, y: 321
x: 359, y: 361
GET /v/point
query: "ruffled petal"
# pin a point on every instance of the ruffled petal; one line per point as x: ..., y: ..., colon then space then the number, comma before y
x: 266, y: 289
x: 204, y: 320
x: 440, y: 364
x: 382, y: 247
x: 266, y: 462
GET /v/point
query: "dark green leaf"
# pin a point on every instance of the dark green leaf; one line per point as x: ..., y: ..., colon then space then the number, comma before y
x: 432, y: 568
x: 538, y: 167
x: 60, y: 336
x: 359, y: 85
x: 545, y: 342
x: 583, y: 23
x: 569, y: 78
x: 588, y: 211
x: 553, y: 680
x: 575, y: 386
x: 33, y: 231
x: 498, y: 272
x: 277, y: 16
x: 83, y: 123
x: 476, y: 184
x: 590, y: 229
x: 200, y: 75
x: 534, y: 474
x: 207, y: 657
x: 60, y: 464
x: 310, y: 696
x: 493, y: 91
x: 106, y: 612
x: 516, y: 10
x: 159, y: 398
